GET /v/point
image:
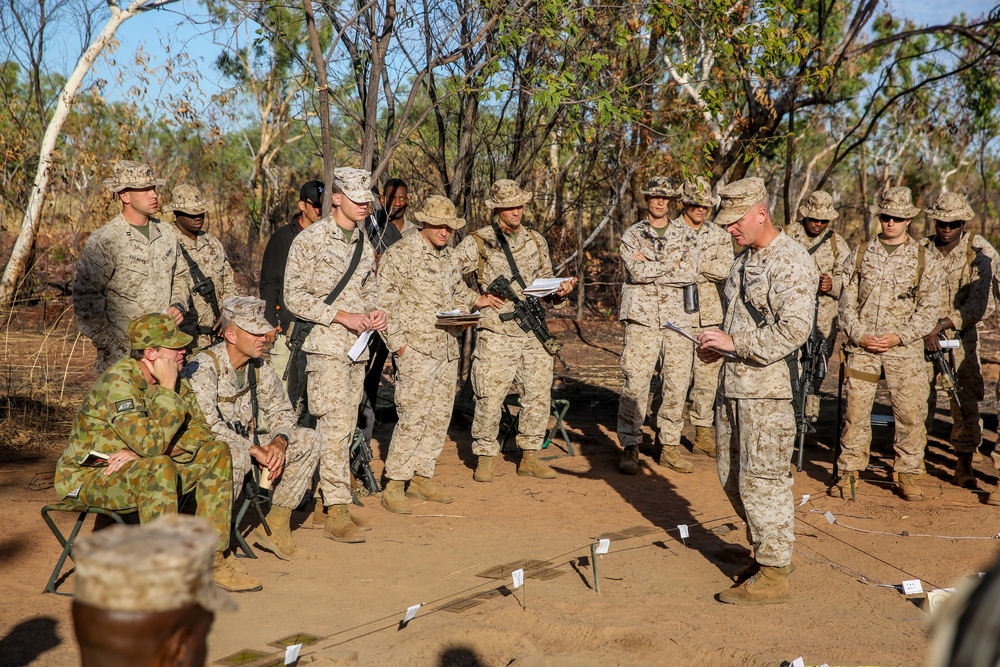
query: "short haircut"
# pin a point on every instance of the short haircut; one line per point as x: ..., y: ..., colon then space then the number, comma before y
x: 392, y: 185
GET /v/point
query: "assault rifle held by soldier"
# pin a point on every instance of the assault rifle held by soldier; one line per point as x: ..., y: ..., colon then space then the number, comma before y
x: 528, y: 314
x: 361, y: 458
x: 813, y: 360
x: 948, y: 382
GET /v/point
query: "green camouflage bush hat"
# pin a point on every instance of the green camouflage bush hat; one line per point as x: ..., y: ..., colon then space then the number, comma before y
x: 896, y: 203
x: 438, y: 210
x: 698, y: 193
x: 356, y: 184
x: 163, y: 565
x: 950, y: 207
x: 506, y: 193
x: 247, y: 313
x: 660, y: 186
x: 818, y: 206
x: 187, y: 199
x: 131, y: 175
x: 156, y: 330
x: 738, y: 198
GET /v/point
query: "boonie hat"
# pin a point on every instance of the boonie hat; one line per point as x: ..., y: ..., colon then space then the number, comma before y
x: 818, y: 206
x: 660, y: 186
x: 187, y: 199
x: 354, y: 183
x: 156, y: 330
x: 131, y: 175
x: 950, y: 207
x: 247, y: 313
x: 738, y: 198
x: 506, y: 193
x: 438, y: 210
x: 895, y: 202
x: 698, y: 193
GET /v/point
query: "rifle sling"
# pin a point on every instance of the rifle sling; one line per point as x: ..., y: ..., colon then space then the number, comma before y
x: 826, y: 237
x: 341, y: 284
x: 252, y: 381
x: 515, y: 273
x: 198, y: 277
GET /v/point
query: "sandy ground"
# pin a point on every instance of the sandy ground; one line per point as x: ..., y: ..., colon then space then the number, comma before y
x: 655, y: 605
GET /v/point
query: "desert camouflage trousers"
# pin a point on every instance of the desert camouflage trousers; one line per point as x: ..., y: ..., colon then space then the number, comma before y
x: 906, y: 378
x: 755, y: 438
x: 703, y: 387
x: 646, y: 350
x: 301, y: 459
x: 498, y: 361
x: 967, y: 428
x: 334, y: 388
x: 425, y: 398
x: 153, y: 486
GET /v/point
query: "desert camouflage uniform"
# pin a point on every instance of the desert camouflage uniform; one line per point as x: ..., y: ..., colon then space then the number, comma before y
x: 122, y: 275
x: 123, y: 411
x: 504, y: 353
x: 207, y: 252
x: 416, y: 281
x: 318, y: 257
x: 756, y: 420
x: 651, y: 297
x: 226, y: 403
x: 967, y: 272
x: 884, y: 300
x: 829, y: 257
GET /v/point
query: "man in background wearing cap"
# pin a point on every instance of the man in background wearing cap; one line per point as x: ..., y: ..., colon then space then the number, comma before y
x: 129, y: 267
x: 211, y: 273
x: 272, y: 280
x: 891, y: 299
x: 144, y: 420
x: 505, y: 353
x: 829, y: 250
x: 661, y: 259
x: 417, y: 279
x: 769, y: 298
x: 236, y: 388
x: 320, y: 257
x: 144, y: 595
x: 967, y: 263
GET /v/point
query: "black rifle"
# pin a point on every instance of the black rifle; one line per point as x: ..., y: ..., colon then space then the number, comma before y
x: 948, y: 382
x: 205, y: 286
x: 361, y: 458
x: 529, y: 315
x: 813, y: 359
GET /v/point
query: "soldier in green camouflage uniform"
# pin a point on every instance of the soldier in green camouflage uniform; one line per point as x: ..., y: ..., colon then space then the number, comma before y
x: 417, y: 279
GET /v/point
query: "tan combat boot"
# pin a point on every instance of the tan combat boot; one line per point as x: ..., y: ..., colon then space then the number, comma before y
x: 393, y: 498
x: 359, y: 521
x: 318, y: 518
x: 965, y: 475
x: 532, y: 466
x: 340, y: 527
x: 484, y: 469
x: 846, y: 486
x: 704, y: 441
x: 768, y: 586
x: 994, y: 497
x: 671, y: 458
x: 422, y: 488
x: 629, y: 462
x: 231, y: 577
x: 280, y: 541
x: 906, y: 486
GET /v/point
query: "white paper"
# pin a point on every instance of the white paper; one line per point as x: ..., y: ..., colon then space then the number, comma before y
x: 449, y: 313
x: 602, y: 547
x: 683, y: 530
x: 949, y: 344
x: 798, y: 662
x: 912, y: 587
x: 518, y: 577
x: 829, y: 517
x: 360, y: 345
x: 292, y: 653
x: 674, y: 327
x: 411, y: 613
x: 544, y: 286
x: 805, y: 499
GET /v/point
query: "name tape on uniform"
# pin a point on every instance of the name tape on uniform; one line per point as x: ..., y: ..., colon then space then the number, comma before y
x: 602, y: 546
x: 518, y: 577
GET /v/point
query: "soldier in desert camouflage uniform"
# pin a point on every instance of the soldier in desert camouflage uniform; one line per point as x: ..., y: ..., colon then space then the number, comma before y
x: 891, y: 299
x: 129, y: 267
x: 769, y: 300
x: 417, y: 278
x: 967, y: 264
x: 202, y: 252
x: 221, y: 377
x: 320, y: 255
x: 661, y: 258
x: 146, y: 419
x: 504, y: 352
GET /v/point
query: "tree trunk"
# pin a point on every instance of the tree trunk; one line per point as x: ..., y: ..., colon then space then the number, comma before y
x: 324, y: 106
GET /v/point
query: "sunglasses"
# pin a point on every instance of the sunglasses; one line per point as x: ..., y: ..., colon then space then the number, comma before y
x: 957, y: 224
x: 888, y: 218
x: 816, y: 222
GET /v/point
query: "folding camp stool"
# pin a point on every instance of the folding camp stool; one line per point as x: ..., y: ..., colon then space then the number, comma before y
x: 509, y: 422
x: 83, y: 510
x: 255, y: 497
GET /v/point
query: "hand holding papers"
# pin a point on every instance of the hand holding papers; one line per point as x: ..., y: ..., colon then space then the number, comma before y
x: 708, y: 348
x: 360, y: 345
x: 544, y: 286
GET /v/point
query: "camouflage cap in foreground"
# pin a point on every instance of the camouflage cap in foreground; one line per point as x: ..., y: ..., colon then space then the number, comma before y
x: 156, y: 330
x: 950, y: 207
x: 506, y: 193
x: 131, y: 175
x: 698, y: 193
x: 188, y: 199
x: 247, y: 313
x: 438, y: 210
x: 354, y: 183
x: 163, y: 565
x: 738, y: 198
x: 896, y: 203
x: 660, y: 186
x: 818, y: 206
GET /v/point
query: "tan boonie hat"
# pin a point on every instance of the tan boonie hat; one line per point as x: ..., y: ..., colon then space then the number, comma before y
x: 187, y: 199
x: 438, y: 210
x: 950, y: 207
x: 660, y: 186
x: 163, y: 565
x: 506, y: 193
x: 818, y: 206
x: 131, y: 175
x: 738, y: 198
x: 356, y: 184
x: 698, y: 193
x: 896, y: 203
x: 247, y: 313
x: 156, y: 330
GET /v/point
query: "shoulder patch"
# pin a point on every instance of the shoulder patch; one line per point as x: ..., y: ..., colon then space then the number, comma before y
x: 125, y: 406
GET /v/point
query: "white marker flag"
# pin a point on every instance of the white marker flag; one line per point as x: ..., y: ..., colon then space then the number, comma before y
x: 518, y: 577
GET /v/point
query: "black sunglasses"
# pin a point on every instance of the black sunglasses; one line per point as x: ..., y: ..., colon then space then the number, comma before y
x: 956, y: 224
x: 889, y: 218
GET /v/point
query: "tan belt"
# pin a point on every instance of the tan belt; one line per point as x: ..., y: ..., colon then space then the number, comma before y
x: 856, y: 374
